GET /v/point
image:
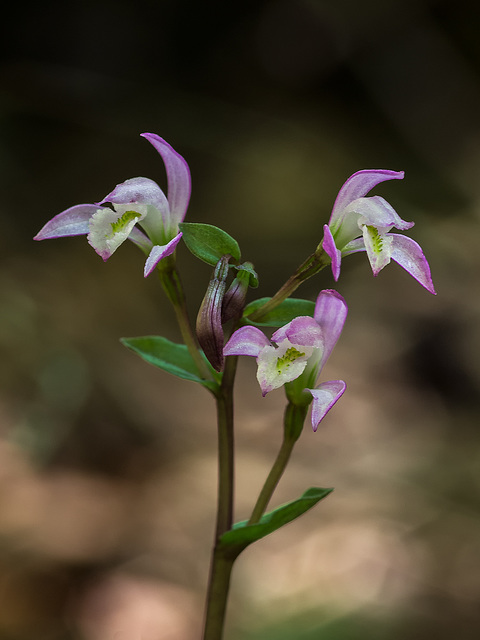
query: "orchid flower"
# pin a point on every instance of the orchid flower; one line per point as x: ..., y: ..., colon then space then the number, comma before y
x: 138, y: 202
x: 297, y: 353
x: 359, y: 223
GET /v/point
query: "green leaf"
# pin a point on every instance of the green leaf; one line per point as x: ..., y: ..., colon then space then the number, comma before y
x: 242, y: 534
x: 171, y: 357
x: 281, y: 315
x: 209, y: 243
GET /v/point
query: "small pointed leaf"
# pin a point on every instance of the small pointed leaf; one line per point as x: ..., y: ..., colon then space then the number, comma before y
x: 209, y: 243
x: 171, y: 357
x: 248, y: 267
x: 285, y: 312
x: 242, y: 534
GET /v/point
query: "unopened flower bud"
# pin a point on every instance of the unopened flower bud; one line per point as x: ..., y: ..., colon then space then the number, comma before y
x: 234, y: 300
x: 209, y: 318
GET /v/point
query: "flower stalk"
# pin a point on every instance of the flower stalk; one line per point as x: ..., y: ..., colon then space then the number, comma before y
x: 317, y: 261
x: 173, y: 288
x: 293, y: 425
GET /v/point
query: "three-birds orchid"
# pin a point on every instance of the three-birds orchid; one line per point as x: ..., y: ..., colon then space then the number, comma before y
x: 137, y: 210
x: 360, y: 223
x: 297, y: 353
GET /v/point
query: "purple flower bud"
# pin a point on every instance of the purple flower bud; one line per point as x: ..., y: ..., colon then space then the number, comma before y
x: 209, y: 318
x: 234, y: 300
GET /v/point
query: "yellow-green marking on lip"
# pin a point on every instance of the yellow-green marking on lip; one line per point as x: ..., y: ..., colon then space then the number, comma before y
x: 122, y: 222
x: 290, y: 355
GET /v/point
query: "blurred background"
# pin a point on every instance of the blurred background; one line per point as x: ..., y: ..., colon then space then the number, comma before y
x: 107, y: 465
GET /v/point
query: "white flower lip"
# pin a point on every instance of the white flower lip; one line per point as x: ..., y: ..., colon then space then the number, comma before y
x: 281, y: 364
x: 109, y: 228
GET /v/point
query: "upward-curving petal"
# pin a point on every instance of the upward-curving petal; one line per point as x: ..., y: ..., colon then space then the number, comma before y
x: 409, y: 255
x: 358, y: 185
x: 303, y: 331
x: 178, y: 177
x: 71, y: 222
x: 139, y: 190
x: 330, y: 313
x: 354, y: 247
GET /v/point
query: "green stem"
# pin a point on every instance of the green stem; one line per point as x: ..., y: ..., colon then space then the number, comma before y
x: 312, y: 265
x: 225, y: 447
x: 219, y: 584
x: 293, y: 421
x: 221, y: 565
x: 272, y: 480
x: 173, y: 288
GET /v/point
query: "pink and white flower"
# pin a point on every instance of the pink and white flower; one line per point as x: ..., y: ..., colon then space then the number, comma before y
x: 297, y: 353
x: 360, y: 223
x: 137, y: 210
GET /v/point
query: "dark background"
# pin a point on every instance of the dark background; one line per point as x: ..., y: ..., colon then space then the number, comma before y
x: 107, y: 466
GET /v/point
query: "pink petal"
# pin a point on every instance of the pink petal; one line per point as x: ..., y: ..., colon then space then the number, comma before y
x: 71, y: 222
x: 330, y: 314
x: 140, y: 239
x: 378, y: 213
x: 358, y: 185
x: 409, y: 255
x: 324, y: 397
x: 246, y: 341
x: 354, y: 246
x: 303, y: 331
x: 178, y: 177
x: 158, y: 252
x: 139, y: 190
x: 332, y: 251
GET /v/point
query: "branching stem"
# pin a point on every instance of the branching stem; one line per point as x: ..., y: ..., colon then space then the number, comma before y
x: 312, y: 265
x: 293, y: 423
